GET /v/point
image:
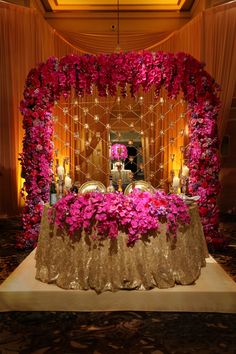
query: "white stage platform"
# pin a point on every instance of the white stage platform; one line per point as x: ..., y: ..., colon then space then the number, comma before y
x: 214, y: 291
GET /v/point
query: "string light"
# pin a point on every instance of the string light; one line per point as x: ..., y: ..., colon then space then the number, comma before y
x: 140, y: 100
x: 76, y: 135
x: 162, y: 133
x: 85, y: 111
x: 151, y: 108
x: 146, y: 110
x: 65, y: 110
x: 76, y: 118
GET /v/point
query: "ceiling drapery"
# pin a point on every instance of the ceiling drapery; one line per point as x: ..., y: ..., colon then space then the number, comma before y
x: 94, y: 43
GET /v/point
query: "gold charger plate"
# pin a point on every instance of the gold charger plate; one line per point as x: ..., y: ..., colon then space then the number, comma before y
x: 92, y: 186
x: 141, y: 185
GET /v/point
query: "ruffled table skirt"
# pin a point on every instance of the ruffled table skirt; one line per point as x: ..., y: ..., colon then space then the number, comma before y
x: 154, y: 261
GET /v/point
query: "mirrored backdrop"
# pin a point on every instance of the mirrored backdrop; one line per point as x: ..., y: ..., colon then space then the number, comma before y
x: 154, y: 130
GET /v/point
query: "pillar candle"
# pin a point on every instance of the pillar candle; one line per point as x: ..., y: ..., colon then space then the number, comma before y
x: 185, y: 171
x: 176, y: 181
x: 68, y: 183
x: 60, y: 171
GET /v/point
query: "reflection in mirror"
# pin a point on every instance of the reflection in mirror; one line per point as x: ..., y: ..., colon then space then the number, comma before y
x: 132, y: 167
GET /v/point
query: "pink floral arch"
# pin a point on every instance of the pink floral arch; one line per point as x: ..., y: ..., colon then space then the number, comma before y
x: 175, y: 72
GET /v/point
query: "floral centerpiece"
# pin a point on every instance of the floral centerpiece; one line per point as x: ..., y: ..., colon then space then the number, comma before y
x: 102, y: 215
x: 119, y: 152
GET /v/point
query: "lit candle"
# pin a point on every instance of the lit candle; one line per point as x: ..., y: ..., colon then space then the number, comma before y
x: 68, y: 183
x: 60, y: 171
x: 176, y: 182
x: 185, y: 171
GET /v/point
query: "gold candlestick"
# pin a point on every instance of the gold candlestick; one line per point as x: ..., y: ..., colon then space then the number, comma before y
x: 119, y: 165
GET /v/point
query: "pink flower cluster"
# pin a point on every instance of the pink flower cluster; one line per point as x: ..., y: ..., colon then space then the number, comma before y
x: 204, y: 167
x: 103, y: 215
x: 119, y: 152
x: 175, y: 72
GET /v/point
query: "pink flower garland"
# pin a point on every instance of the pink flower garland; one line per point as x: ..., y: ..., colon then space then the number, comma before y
x: 103, y: 215
x: 119, y: 152
x: 176, y: 72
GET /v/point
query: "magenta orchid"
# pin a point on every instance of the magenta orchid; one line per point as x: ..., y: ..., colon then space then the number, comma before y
x: 175, y: 72
x: 103, y: 215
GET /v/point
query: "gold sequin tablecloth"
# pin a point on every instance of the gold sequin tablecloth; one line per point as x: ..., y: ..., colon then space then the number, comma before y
x: 153, y: 261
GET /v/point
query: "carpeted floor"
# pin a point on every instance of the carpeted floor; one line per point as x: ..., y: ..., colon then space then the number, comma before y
x: 118, y: 332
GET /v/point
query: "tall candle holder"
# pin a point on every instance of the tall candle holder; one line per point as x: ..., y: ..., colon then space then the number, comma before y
x: 60, y: 187
x: 184, y: 184
x: 119, y: 166
x: 68, y: 183
x: 66, y: 162
x: 184, y: 179
x: 60, y: 173
x: 119, y: 152
x: 172, y: 174
x: 175, y: 184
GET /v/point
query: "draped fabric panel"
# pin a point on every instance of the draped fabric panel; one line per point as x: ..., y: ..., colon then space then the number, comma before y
x: 219, y: 53
x: 188, y: 39
x: 211, y: 38
x: 27, y: 39
x: 106, y: 43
